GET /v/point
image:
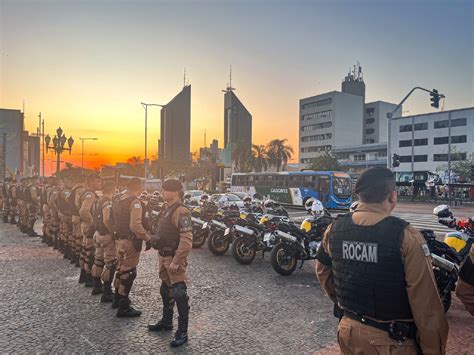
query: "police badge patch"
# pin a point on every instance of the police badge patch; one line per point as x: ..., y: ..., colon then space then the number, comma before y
x: 185, y: 224
x: 426, y: 250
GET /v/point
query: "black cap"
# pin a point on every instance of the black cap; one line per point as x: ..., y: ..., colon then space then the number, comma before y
x: 172, y: 185
x: 373, y: 176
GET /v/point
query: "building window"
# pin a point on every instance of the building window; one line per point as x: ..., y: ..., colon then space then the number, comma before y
x: 459, y: 122
x: 317, y: 115
x: 370, y: 111
x: 440, y: 140
x: 421, y: 141
x: 454, y: 157
x: 318, y: 137
x: 321, y: 148
x: 359, y: 157
x: 343, y: 156
x: 369, y: 131
x: 420, y: 158
x: 441, y: 124
x: 316, y: 103
x: 313, y: 127
x: 405, y: 158
x: 440, y: 157
x: 421, y: 126
x: 458, y: 139
x: 405, y: 143
x: 369, y: 120
x: 369, y: 141
x: 405, y: 128
x: 382, y: 153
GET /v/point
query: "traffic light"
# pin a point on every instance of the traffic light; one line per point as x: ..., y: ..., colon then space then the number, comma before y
x: 434, y: 98
x: 395, y: 160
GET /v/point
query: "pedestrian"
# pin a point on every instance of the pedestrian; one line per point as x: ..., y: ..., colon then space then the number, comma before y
x: 105, y: 258
x: 174, y: 242
x: 377, y: 269
x: 86, y: 201
x: 465, y: 284
x: 126, y: 220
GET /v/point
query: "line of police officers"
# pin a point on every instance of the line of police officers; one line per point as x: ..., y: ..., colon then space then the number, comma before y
x: 101, y: 231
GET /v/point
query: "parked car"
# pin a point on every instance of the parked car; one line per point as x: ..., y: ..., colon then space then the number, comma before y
x: 196, y: 194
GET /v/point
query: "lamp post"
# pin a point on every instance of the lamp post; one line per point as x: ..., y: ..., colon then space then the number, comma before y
x: 145, y: 161
x: 59, y: 141
x: 82, y: 155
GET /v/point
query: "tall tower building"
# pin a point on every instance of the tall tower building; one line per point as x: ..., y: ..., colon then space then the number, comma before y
x: 176, y: 128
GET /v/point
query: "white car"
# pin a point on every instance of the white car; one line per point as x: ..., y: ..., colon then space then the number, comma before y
x: 195, y: 194
x: 225, y: 200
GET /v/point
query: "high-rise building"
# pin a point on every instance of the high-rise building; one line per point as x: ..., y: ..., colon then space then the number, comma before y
x: 237, y: 120
x: 176, y: 128
x: 12, y: 123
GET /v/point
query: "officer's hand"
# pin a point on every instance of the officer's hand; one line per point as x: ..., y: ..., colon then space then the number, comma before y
x: 173, y: 267
x: 154, y: 240
x: 148, y: 245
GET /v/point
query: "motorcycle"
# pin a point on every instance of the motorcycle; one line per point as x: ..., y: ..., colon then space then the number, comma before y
x: 220, y: 238
x: 200, y: 216
x: 449, y: 256
x: 298, y: 243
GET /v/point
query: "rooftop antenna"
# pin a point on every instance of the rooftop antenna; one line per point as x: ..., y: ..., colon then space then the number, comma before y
x: 229, y: 87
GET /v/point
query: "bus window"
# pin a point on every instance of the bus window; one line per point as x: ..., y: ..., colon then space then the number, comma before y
x: 241, y: 180
x: 234, y: 180
x: 250, y: 180
x: 315, y: 183
x: 324, y: 189
x: 308, y: 181
x: 279, y: 181
x: 295, y: 181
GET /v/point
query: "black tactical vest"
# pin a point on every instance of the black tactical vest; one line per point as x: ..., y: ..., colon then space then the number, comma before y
x: 27, y: 193
x: 467, y: 272
x: 19, y: 192
x: 369, y: 276
x: 63, y: 204
x: 98, y: 215
x: 121, y: 215
x: 167, y: 231
x: 72, y: 201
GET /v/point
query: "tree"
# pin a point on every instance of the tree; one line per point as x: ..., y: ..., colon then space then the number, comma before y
x: 279, y: 153
x: 260, y: 160
x: 242, y: 157
x: 325, y: 162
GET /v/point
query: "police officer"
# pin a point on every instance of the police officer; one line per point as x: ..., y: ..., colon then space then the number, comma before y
x: 64, y: 213
x: 6, y: 202
x: 129, y: 233
x: 13, y: 201
x: 465, y: 285
x: 174, y: 242
x: 76, y: 238
x: 53, y: 195
x: 105, y: 258
x: 32, y: 204
x: 377, y: 268
x: 87, y: 200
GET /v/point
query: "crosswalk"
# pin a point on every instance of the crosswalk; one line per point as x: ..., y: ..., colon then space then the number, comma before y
x: 417, y: 220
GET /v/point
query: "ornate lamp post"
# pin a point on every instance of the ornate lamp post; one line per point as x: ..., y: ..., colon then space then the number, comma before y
x: 59, y: 142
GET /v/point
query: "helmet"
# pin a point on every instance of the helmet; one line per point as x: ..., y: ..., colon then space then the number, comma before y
x: 309, y: 203
x: 247, y: 200
x: 442, y: 211
x: 204, y: 197
x: 269, y: 204
x: 187, y: 196
x: 156, y: 193
x: 354, y: 206
x: 317, y: 208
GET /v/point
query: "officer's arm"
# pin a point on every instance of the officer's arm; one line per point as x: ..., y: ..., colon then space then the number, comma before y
x: 136, y: 225
x: 85, y: 210
x: 106, y: 210
x: 423, y: 294
x: 324, y: 268
x: 182, y: 220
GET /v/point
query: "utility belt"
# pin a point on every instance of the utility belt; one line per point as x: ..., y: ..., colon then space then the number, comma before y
x: 397, y: 330
x: 166, y: 252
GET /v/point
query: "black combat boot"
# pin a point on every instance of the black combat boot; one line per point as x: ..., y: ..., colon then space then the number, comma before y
x: 96, y: 286
x: 124, y: 309
x: 166, y: 322
x: 55, y: 243
x: 72, y: 257
x: 66, y: 251
x: 82, y: 277
x: 12, y: 221
x: 182, y: 304
x: 107, y: 295
x: 89, y: 281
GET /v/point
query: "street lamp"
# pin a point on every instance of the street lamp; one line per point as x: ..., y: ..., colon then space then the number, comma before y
x: 365, y: 156
x: 59, y: 142
x: 145, y: 106
x: 82, y: 158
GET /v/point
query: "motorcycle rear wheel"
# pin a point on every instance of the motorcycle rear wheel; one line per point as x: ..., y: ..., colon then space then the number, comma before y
x: 217, y: 243
x: 241, y: 252
x: 282, y: 262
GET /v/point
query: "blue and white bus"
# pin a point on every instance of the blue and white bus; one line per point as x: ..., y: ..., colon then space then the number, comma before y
x: 332, y: 188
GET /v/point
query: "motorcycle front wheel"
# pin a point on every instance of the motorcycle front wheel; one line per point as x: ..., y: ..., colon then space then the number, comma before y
x: 199, y: 238
x: 217, y: 243
x: 243, y: 250
x: 283, y: 260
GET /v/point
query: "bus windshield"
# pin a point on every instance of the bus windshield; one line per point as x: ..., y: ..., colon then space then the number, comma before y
x: 342, y: 187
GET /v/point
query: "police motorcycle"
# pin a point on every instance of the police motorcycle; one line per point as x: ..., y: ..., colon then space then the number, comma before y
x: 200, y: 216
x: 275, y: 209
x: 220, y: 238
x: 299, y: 243
x: 450, y: 255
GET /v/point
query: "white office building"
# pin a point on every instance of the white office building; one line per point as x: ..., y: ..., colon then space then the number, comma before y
x: 328, y: 120
x: 422, y: 141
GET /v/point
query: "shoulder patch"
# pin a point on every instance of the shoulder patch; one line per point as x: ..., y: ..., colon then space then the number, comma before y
x: 136, y: 205
x: 426, y: 250
x: 185, y: 223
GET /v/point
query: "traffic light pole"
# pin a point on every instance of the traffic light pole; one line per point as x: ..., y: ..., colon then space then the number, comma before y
x: 390, y: 117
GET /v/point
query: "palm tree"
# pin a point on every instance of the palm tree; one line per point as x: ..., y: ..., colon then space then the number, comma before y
x: 242, y: 157
x: 260, y: 158
x: 279, y: 153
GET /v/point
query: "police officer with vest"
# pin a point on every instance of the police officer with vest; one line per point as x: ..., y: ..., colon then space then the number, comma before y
x: 13, y: 201
x: 105, y: 258
x: 64, y: 213
x: 465, y: 285
x: 174, y: 242
x: 32, y: 204
x: 87, y: 200
x: 377, y: 269
x: 129, y: 233
x: 76, y: 238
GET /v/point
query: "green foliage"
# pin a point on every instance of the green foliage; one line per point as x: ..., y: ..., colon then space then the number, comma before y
x: 325, y: 162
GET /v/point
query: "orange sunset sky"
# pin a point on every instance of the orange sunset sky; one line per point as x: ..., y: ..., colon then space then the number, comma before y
x: 87, y: 65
